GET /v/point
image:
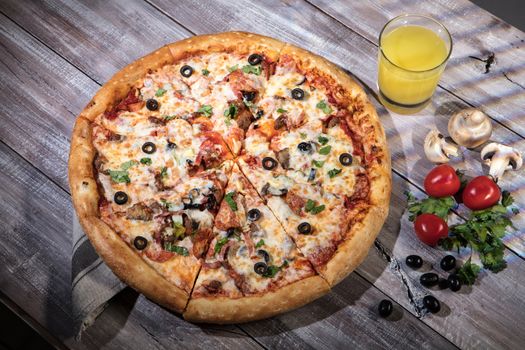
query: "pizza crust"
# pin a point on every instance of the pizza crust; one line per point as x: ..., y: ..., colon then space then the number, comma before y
x: 133, y: 270
x: 224, y: 310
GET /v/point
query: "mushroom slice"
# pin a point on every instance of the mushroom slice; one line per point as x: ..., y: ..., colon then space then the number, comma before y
x: 437, y: 149
x: 500, y: 158
x: 470, y: 127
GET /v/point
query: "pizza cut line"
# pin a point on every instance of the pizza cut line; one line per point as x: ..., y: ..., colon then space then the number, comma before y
x: 230, y: 177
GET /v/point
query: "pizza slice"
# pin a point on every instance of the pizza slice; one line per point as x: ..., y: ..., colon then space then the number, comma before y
x: 250, y: 263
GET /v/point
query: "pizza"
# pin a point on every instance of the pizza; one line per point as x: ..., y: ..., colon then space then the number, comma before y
x: 230, y: 177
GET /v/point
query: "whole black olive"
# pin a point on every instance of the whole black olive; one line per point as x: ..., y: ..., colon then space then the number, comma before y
x: 149, y: 147
x: 248, y: 95
x: 254, y: 214
x: 429, y: 279
x: 140, y: 243
x: 345, y: 159
x: 297, y: 94
x: 305, y: 147
x: 304, y: 228
x: 269, y: 163
x: 186, y: 71
x: 414, y: 261
x: 385, y: 308
x: 152, y: 104
x: 260, y: 268
x: 448, y: 263
x: 431, y: 304
x: 454, y: 282
x: 264, y: 254
x: 255, y: 59
x: 120, y: 197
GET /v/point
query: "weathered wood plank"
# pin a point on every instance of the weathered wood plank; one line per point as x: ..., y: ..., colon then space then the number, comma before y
x: 36, y: 216
x: 99, y: 37
x: 475, y: 32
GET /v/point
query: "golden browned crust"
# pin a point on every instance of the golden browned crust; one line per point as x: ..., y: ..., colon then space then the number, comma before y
x: 361, y: 234
x: 250, y: 308
x: 130, y: 267
x: 239, y: 42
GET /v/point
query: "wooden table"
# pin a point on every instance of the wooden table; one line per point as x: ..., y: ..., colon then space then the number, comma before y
x: 55, y: 55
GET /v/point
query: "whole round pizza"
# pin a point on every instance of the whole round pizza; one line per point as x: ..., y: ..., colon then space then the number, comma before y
x: 230, y: 177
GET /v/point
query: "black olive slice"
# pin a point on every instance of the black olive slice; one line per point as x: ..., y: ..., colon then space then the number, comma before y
x: 311, y: 176
x: 260, y: 268
x: 152, y: 104
x: 186, y: 71
x: 120, y: 198
x: 140, y: 243
x: 264, y: 254
x: 248, y: 95
x: 297, y: 94
x: 254, y: 214
x: 171, y: 145
x: 345, y: 159
x: 305, y: 147
x: 304, y: 228
x: 149, y: 147
x: 269, y: 163
x: 231, y: 231
x: 255, y: 59
x: 259, y: 114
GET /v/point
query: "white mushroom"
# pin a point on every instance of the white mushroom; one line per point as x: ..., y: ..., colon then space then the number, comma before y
x: 470, y: 127
x: 500, y: 158
x: 437, y: 149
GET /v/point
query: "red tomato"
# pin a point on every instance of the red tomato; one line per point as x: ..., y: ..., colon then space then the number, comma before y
x: 481, y: 193
x: 430, y: 228
x: 442, y: 181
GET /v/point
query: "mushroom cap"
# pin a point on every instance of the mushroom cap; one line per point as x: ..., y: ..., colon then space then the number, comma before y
x: 470, y: 127
x: 437, y: 149
x: 500, y: 158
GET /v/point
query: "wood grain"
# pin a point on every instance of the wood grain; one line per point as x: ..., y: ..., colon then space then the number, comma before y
x: 476, y: 34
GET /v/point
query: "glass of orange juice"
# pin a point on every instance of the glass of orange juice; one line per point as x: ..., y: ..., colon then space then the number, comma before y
x: 413, y: 52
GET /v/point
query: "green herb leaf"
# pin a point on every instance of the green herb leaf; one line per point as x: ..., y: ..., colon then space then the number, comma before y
x: 437, y: 206
x: 303, y: 135
x: 322, y: 140
x: 233, y: 68
x: 231, y: 202
x: 272, y: 269
x: 160, y: 92
x: 506, y: 199
x: 164, y: 172
x: 260, y: 243
x: 334, y: 172
x: 325, y: 150
x: 318, y: 209
x: 169, y: 117
x: 231, y: 111
x: 205, y: 110
x: 468, y: 273
x: 205, y: 72
x: 281, y: 111
x: 145, y: 161
x: 318, y: 163
x: 176, y: 249
x: 249, y: 69
x: 128, y: 164
x: 219, y: 244
x: 119, y: 176
x: 310, y: 204
x: 322, y: 105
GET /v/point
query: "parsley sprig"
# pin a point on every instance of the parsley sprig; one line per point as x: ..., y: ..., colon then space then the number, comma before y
x: 437, y: 206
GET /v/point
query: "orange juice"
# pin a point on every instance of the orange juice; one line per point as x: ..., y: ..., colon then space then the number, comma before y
x: 411, y: 60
